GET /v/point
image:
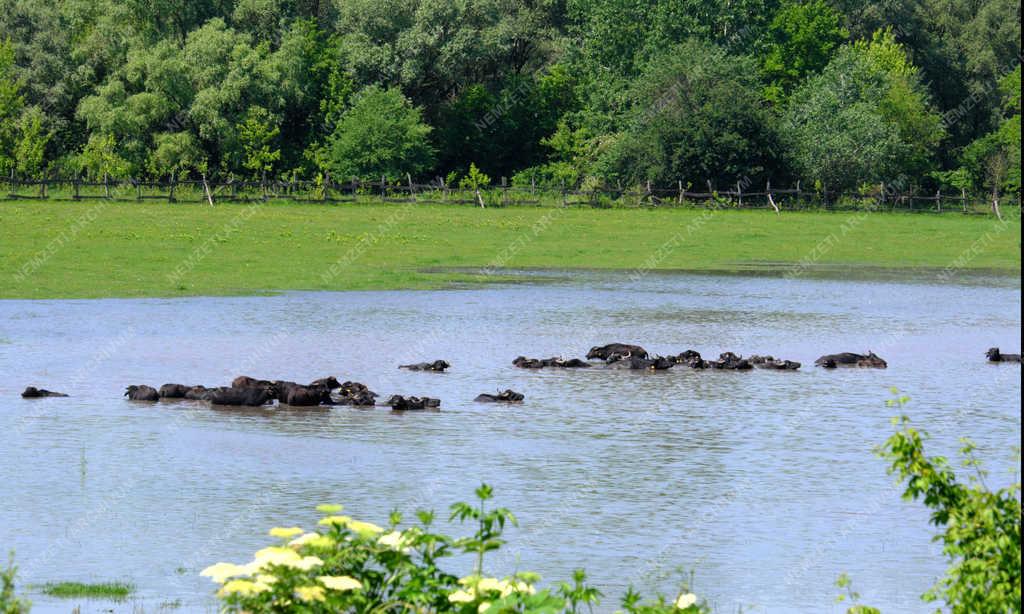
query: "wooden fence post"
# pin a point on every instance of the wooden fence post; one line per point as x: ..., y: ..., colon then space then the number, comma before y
x: 881, y: 195
x: 106, y: 186
x: 412, y: 194
x: 938, y: 199
x: 383, y: 187
x: 963, y: 198
x: 138, y: 189
x: 76, y: 196
x: 680, y: 198
x: 565, y: 202
x: 174, y: 181
x: 327, y: 186
x: 768, y: 191
x: 739, y: 193
x: 206, y: 188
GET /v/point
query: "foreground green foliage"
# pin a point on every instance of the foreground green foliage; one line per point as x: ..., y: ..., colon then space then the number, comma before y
x: 9, y: 602
x: 114, y: 591
x: 156, y: 249
x: 980, y: 527
x: 579, y: 91
x: 349, y: 565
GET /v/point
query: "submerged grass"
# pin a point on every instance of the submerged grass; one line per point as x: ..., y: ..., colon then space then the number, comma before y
x: 115, y: 591
x: 127, y: 249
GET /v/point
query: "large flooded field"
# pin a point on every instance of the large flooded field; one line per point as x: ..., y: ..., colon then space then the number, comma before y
x: 762, y: 483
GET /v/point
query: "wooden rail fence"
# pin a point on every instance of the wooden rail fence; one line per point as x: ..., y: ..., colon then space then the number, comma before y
x: 327, y: 190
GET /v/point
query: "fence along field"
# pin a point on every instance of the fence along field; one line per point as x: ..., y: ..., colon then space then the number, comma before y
x: 881, y: 197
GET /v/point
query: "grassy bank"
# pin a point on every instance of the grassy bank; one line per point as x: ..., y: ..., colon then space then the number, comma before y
x: 63, y: 249
x: 115, y: 591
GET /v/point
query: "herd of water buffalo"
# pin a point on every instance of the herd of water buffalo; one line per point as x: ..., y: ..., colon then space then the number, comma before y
x: 251, y: 392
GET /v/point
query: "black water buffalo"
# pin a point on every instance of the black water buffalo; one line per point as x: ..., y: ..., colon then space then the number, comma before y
x: 562, y: 363
x: 252, y: 396
x: 539, y: 363
x: 330, y: 382
x: 769, y: 362
x: 636, y: 363
x: 734, y: 362
x: 690, y: 358
x: 174, y: 391
x: 280, y: 389
x: 198, y: 393
x: 528, y: 363
x: 507, y: 396
x: 308, y: 396
x: 363, y: 398
x: 244, y: 381
x: 37, y: 393
x: 142, y: 393
x: 849, y: 359
x: 994, y: 355
x: 438, y: 366
x: 356, y: 394
x: 355, y: 388
x: 401, y: 403
x: 604, y: 352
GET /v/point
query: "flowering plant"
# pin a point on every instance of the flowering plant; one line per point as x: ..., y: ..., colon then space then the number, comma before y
x: 349, y: 565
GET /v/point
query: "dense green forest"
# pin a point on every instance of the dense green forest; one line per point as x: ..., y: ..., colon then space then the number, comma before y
x: 841, y: 93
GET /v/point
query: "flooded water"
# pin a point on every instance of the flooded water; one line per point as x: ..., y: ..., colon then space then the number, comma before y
x: 762, y: 483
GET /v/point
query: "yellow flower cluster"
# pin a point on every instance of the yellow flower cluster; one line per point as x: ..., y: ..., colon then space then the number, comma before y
x: 477, y: 586
x: 243, y: 587
x: 314, y: 540
x: 396, y: 540
x: 365, y: 529
x: 274, y: 555
x: 685, y: 600
x: 310, y: 593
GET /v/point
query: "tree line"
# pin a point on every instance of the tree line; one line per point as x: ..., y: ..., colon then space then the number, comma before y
x: 842, y: 93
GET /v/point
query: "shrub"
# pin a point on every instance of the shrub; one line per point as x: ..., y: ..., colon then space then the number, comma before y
x: 981, y: 527
x: 348, y: 565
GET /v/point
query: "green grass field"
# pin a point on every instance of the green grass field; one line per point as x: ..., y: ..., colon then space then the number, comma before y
x: 101, y: 249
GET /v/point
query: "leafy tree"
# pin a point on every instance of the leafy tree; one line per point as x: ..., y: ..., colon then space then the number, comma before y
x: 801, y: 40
x: 505, y: 128
x: 30, y: 148
x: 865, y: 118
x: 11, y: 103
x: 259, y: 133
x: 993, y: 161
x: 99, y: 157
x: 175, y: 152
x: 698, y: 114
x: 962, y: 49
x: 382, y: 134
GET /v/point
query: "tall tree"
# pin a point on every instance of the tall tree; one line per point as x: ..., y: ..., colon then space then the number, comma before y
x: 865, y: 118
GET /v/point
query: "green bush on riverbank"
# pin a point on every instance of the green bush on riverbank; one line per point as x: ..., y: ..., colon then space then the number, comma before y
x: 86, y: 250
